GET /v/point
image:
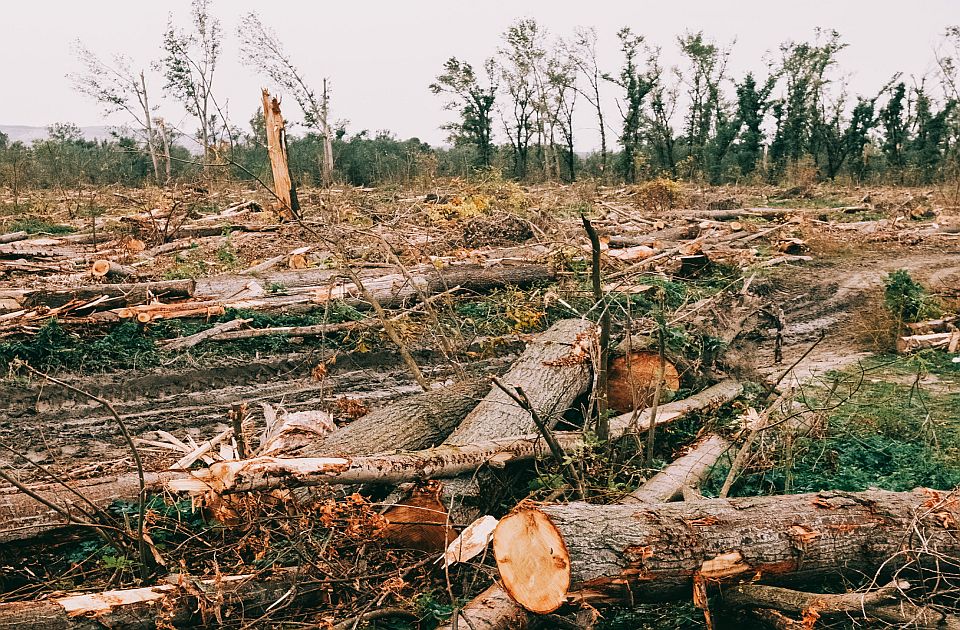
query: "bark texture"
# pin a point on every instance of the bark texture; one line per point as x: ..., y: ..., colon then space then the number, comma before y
x: 687, y: 471
x: 631, y: 553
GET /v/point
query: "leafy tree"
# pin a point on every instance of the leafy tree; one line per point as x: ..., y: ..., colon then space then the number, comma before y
x: 663, y: 104
x: 519, y: 63
x: 636, y: 86
x: 930, y: 131
x: 190, y: 63
x: 582, y: 51
x: 117, y: 87
x: 840, y: 141
x: 707, y: 64
x: 894, y: 124
x: 261, y: 49
x: 474, y: 102
x: 753, y: 102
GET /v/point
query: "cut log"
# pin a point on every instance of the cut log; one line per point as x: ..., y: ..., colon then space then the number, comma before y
x: 411, y: 423
x: 106, y: 268
x: 912, y: 343
x: 492, y: 609
x: 687, y: 471
x: 444, y: 461
x: 174, y: 604
x: 632, y: 380
x: 652, y: 553
x: 123, y: 294
x: 552, y: 371
x: 11, y: 237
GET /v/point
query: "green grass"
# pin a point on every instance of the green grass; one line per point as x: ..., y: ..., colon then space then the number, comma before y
x: 895, y: 426
x: 34, y: 225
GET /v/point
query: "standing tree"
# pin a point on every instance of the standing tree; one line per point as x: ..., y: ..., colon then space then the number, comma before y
x: 260, y: 48
x: 582, y: 51
x: 753, y: 102
x: 707, y: 65
x: 189, y: 63
x: 893, y: 120
x: 663, y: 104
x: 636, y: 86
x: 120, y: 88
x: 562, y: 81
x: 519, y: 65
x: 474, y: 102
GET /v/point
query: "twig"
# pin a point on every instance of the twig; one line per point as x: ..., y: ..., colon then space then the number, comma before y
x: 146, y: 559
x: 520, y: 397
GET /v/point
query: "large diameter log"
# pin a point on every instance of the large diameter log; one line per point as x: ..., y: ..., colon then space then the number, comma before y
x: 553, y: 371
x: 412, y: 422
x: 633, y: 553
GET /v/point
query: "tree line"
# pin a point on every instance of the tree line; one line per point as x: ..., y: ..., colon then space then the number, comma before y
x: 518, y: 114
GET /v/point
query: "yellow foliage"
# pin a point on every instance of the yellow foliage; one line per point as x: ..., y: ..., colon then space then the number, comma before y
x: 658, y: 195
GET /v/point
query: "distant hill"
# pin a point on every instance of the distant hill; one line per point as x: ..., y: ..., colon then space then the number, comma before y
x: 27, y: 134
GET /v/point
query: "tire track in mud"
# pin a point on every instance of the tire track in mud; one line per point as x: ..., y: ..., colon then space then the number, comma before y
x: 53, y: 425
x: 822, y: 298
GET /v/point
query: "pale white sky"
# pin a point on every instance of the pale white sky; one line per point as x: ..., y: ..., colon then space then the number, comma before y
x: 381, y: 56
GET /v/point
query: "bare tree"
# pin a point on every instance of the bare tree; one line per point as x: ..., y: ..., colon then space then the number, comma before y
x: 582, y: 50
x: 120, y: 88
x: 189, y: 64
x: 562, y: 81
x: 261, y: 49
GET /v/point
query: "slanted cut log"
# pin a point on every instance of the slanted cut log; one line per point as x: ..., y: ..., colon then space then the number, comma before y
x: 107, y: 268
x: 653, y: 553
x: 552, y: 371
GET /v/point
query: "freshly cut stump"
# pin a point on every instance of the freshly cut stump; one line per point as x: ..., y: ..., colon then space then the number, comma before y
x: 533, y: 561
x: 638, y: 373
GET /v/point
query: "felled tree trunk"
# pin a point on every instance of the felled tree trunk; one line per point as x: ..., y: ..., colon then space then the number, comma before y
x: 650, y: 553
x: 167, y: 605
x: 108, y: 268
x: 688, y: 471
x: 410, y: 423
x: 129, y: 294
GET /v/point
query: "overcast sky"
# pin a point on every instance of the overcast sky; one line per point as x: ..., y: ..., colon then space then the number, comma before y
x: 381, y: 56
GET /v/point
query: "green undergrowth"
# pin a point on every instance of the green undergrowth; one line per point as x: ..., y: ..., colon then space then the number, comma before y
x: 129, y: 345
x: 893, y: 425
x: 35, y: 225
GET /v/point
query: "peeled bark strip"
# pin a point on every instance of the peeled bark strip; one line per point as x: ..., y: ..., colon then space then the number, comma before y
x: 166, y: 605
x: 651, y: 553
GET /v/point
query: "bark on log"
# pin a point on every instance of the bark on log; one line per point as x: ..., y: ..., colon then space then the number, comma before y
x: 553, y: 371
x: 11, y: 237
x: 687, y: 471
x: 913, y: 343
x: 107, y: 268
x: 492, y: 609
x: 233, y: 596
x: 652, y: 553
x: 129, y: 294
x: 413, y: 422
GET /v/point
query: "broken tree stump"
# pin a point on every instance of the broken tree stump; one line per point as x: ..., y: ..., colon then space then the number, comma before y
x: 548, y: 554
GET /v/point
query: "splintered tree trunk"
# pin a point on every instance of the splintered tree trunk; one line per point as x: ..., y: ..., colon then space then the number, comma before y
x: 635, y: 553
x: 277, y: 149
